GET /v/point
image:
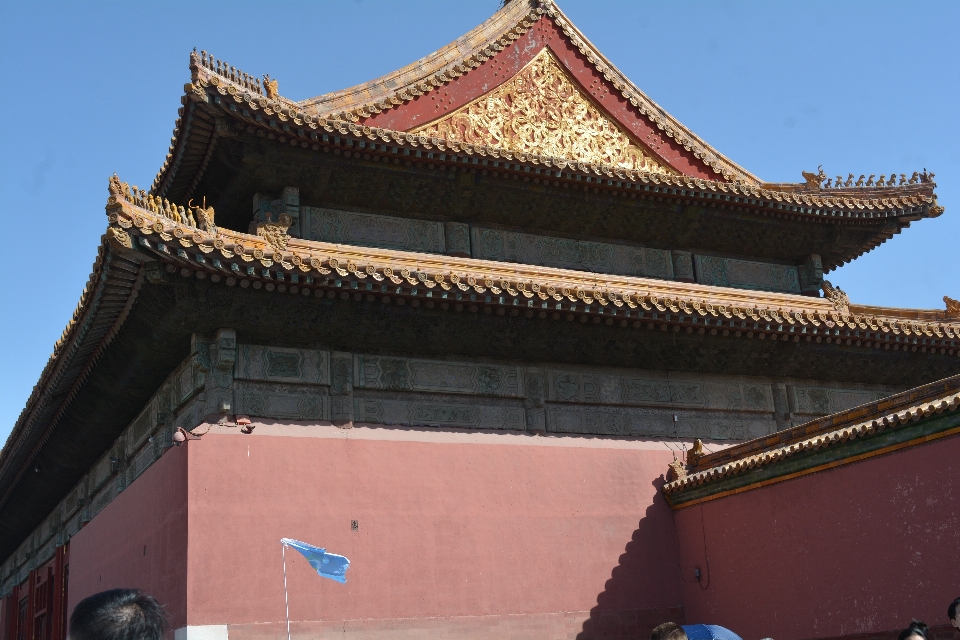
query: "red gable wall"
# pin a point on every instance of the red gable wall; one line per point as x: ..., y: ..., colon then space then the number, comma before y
x: 509, y: 62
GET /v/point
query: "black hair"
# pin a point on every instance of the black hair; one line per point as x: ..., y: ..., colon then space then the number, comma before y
x: 916, y: 628
x: 118, y: 614
x: 669, y: 631
x: 952, y: 609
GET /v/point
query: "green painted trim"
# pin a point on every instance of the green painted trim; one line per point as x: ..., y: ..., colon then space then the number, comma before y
x: 800, y: 462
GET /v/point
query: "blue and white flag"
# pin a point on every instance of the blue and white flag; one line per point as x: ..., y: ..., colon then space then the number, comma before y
x: 328, y: 565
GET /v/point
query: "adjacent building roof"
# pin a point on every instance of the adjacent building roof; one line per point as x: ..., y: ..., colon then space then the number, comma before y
x: 905, y: 419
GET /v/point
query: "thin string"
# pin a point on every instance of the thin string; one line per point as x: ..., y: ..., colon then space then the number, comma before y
x: 286, y: 601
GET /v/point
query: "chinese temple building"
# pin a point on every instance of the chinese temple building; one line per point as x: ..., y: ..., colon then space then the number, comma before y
x: 536, y: 358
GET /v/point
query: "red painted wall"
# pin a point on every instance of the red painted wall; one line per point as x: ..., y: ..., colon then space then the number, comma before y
x: 512, y: 59
x: 151, y: 514
x: 859, y: 548
x: 446, y: 528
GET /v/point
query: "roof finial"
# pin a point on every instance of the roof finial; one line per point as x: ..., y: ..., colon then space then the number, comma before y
x: 837, y: 296
x: 814, y: 179
x: 953, y: 307
x: 270, y: 85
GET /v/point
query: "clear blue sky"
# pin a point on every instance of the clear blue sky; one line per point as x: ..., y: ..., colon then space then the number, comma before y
x: 90, y: 88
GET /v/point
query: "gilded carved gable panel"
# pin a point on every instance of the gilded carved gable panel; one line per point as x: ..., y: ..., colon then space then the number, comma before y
x: 543, y: 110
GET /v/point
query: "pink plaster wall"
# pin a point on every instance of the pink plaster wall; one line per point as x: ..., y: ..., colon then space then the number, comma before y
x: 446, y: 529
x: 860, y: 548
x: 138, y: 540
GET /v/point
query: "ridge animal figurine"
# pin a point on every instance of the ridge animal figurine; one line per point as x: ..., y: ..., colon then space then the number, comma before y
x: 204, y: 216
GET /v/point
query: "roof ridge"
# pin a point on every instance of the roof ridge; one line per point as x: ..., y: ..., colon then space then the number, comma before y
x: 440, y: 68
x: 510, y: 17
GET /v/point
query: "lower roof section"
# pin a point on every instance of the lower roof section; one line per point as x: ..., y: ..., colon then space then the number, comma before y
x: 158, y: 282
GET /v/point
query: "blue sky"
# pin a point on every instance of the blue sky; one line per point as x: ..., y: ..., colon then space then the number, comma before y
x: 91, y: 88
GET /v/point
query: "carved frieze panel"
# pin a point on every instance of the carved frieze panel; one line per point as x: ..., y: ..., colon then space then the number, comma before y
x: 596, y: 257
x: 659, y: 389
x: 439, y: 411
x: 371, y: 230
x: 143, y: 460
x: 48, y: 527
x: 627, y: 389
x: 811, y: 274
x: 282, y: 402
x: 71, y: 527
x: 746, y: 274
x: 722, y: 427
x: 45, y: 553
x: 601, y: 420
x: 73, y: 501
x: 341, y: 387
x: 185, y: 382
x: 819, y: 401
x: 652, y: 422
x: 102, y: 472
x: 757, y: 397
x: 457, y: 238
x: 141, y: 427
x: 543, y: 110
x: 440, y: 376
x: 277, y: 364
x: 682, y: 265
x: 102, y: 499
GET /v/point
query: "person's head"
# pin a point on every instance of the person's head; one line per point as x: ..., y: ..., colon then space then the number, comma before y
x: 118, y: 614
x: 669, y: 631
x: 952, y: 613
x: 916, y: 631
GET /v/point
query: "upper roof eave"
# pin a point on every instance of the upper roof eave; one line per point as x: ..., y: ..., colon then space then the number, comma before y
x: 193, y: 143
x: 213, y: 100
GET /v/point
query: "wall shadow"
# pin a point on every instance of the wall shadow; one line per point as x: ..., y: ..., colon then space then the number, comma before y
x: 623, y: 608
